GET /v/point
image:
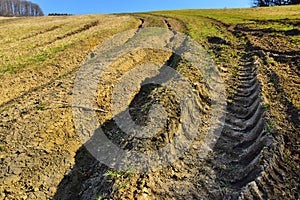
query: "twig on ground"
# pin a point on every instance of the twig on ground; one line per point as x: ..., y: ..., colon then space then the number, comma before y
x: 82, y: 107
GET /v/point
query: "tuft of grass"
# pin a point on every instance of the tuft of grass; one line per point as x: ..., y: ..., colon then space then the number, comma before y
x: 59, y: 49
x: 2, y: 147
x: 115, y: 174
x: 226, y: 185
x: 270, y: 61
x: 120, y: 178
x: 234, y: 73
x: 8, y: 69
x: 41, y: 58
x: 230, y: 168
x: 40, y: 107
x: 296, y: 103
x: 271, y: 84
x: 269, y: 127
x: 266, y: 106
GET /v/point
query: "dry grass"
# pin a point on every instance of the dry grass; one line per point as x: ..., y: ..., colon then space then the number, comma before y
x: 37, y: 49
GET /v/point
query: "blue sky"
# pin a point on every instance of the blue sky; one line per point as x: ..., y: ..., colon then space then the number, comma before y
x: 117, y: 6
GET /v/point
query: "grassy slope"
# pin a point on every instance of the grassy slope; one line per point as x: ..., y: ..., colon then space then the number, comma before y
x: 235, y: 16
x: 34, y: 49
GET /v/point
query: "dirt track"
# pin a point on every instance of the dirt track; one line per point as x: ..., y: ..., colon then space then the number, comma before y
x: 244, y: 162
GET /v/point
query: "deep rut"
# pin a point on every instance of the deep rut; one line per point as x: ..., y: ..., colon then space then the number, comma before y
x: 82, y: 29
x: 240, y: 166
x: 249, y: 156
x: 246, y: 163
x: 244, y: 139
x: 90, y: 177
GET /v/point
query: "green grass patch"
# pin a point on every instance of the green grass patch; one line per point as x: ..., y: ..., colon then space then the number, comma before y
x: 55, y: 50
x: 2, y: 147
x: 40, y: 107
x: 8, y: 69
x: 269, y: 127
x: 115, y: 174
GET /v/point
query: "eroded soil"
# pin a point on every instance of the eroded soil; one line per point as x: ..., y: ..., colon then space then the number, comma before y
x: 256, y: 156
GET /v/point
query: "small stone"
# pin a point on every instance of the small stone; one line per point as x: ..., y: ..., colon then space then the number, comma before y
x: 12, y: 179
x: 17, y: 171
x: 52, y: 190
x: 145, y: 190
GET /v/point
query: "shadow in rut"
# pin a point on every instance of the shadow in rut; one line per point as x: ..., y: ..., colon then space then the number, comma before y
x: 87, y: 179
x: 292, y: 111
x: 76, y: 182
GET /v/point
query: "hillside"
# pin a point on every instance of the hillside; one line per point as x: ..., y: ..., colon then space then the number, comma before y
x: 256, y: 155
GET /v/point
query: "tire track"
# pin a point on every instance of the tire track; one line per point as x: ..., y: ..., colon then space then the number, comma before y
x: 82, y: 29
x: 85, y: 187
x: 244, y: 140
x: 249, y: 159
x: 57, y: 69
x: 42, y: 32
x: 80, y: 182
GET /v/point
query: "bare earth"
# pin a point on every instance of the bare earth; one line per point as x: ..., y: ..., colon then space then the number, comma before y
x: 43, y: 157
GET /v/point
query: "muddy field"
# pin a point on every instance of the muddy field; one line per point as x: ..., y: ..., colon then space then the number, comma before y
x: 256, y: 155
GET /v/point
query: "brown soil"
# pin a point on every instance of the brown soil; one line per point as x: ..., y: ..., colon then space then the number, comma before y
x: 247, y: 162
x: 256, y: 156
x: 37, y: 137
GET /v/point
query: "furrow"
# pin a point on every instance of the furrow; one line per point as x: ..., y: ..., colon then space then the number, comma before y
x: 243, y: 125
x: 243, y: 140
x: 241, y: 112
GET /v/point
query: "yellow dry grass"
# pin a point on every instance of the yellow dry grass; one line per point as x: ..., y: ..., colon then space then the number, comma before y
x: 33, y: 50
